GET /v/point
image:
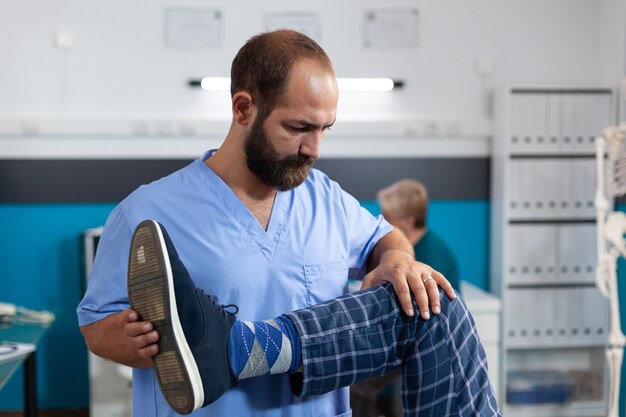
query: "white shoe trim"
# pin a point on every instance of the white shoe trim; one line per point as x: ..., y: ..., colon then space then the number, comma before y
x: 188, y: 360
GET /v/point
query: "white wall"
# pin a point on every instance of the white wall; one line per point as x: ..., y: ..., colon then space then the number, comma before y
x: 119, y: 68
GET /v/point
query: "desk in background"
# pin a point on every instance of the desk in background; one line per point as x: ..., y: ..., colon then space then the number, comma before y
x: 23, y: 333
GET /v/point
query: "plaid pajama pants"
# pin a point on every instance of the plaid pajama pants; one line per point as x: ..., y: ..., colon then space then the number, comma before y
x: 365, y: 334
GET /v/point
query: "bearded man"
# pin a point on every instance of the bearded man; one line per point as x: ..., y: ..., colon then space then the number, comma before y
x: 255, y: 226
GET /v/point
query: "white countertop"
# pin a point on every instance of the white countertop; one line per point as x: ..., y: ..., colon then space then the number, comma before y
x: 479, y: 300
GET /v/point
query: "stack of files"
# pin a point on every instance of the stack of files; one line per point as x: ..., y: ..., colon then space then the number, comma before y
x: 583, y: 118
x: 556, y: 317
x: 530, y: 123
x: 549, y: 253
x: 558, y: 122
x: 552, y: 188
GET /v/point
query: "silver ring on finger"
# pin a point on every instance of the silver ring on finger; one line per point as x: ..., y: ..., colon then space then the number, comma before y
x: 428, y: 278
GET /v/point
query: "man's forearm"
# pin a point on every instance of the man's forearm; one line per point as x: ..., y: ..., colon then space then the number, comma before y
x: 106, y: 338
x: 394, y: 240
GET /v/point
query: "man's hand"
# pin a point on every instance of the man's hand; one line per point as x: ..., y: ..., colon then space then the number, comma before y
x: 142, y: 334
x: 392, y: 261
x: 121, y: 338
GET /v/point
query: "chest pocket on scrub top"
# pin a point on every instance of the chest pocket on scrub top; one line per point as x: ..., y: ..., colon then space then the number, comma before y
x: 325, y: 281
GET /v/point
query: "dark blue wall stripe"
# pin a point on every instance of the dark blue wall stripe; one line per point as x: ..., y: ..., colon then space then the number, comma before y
x: 77, y: 181
x: 90, y: 181
x: 445, y: 178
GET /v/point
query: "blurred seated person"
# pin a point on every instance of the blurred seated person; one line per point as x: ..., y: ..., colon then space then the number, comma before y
x: 404, y: 204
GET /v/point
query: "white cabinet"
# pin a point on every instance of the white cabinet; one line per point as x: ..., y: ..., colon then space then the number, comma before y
x: 543, y: 254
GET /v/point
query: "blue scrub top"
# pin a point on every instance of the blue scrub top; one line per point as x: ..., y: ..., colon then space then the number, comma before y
x: 318, y: 236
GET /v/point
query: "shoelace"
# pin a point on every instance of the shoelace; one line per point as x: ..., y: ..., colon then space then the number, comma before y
x: 223, y: 307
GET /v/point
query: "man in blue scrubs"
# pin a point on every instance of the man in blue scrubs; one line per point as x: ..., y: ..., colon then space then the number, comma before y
x: 258, y: 227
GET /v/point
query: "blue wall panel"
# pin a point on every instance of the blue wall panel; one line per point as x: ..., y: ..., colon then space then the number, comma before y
x: 464, y: 226
x: 41, y: 268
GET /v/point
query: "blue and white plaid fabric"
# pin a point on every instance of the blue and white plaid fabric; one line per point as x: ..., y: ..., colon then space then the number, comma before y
x: 365, y: 334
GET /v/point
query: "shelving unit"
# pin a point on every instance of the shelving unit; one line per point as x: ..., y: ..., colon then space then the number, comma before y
x: 543, y: 242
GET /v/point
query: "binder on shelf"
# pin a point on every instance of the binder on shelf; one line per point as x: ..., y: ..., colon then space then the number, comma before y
x: 533, y: 317
x: 528, y: 122
x: 598, y: 117
x: 557, y: 170
x: 516, y: 331
x: 553, y: 124
x: 564, y: 305
x: 576, y: 188
x: 588, y: 191
x: 537, y: 122
x: 588, y: 124
x: 598, y: 321
x: 586, y: 318
x: 518, y: 122
x: 532, y: 253
x: 573, y: 114
x: 577, y: 256
x: 545, y: 186
x: 575, y: 319
x: 548, y: 317
x: 517, y: 200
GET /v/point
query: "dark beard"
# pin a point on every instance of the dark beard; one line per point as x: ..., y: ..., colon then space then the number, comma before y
x: 263, y: 160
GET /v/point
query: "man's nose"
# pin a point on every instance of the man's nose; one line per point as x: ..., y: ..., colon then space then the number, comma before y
x: 310, y: 146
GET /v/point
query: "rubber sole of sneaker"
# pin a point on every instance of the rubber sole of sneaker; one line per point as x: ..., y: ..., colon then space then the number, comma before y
x: 151, y: 294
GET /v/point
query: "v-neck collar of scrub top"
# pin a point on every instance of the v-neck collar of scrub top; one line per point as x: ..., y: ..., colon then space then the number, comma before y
x: 266, y: 240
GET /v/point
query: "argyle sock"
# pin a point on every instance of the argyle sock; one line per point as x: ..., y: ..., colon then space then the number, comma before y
x: 264, y: 347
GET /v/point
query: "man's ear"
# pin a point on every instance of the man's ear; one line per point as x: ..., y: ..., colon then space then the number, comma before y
x: 243, y: 108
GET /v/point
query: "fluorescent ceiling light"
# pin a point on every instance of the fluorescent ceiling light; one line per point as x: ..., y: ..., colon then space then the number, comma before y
x: 345, y: 84
x: 365, y: 84
x: 215, y: 83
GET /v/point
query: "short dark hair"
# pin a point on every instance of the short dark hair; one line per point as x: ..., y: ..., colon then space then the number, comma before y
x: 263, y: 65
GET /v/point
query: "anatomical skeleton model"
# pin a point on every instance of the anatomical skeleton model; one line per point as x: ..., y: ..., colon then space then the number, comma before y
x: 610, y: 229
